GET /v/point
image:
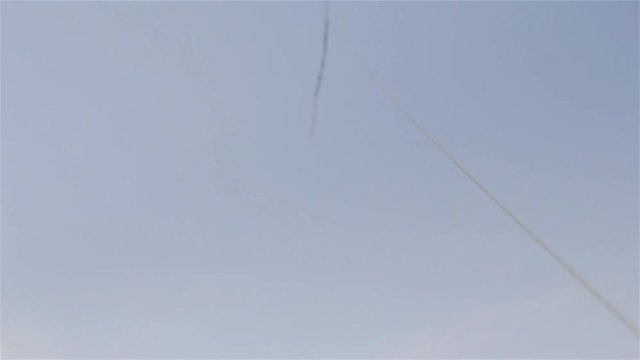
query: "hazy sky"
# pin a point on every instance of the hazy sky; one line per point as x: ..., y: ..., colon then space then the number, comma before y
x: 161, y: 197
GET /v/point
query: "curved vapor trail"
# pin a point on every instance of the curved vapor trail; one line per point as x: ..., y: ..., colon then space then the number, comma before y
x: 325, y: 46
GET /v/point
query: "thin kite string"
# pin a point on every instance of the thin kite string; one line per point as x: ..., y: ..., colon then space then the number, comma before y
x: 613, y: 310
x: 323, y: 60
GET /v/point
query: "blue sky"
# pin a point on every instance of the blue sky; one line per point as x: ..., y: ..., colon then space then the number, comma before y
x: 161, y: 196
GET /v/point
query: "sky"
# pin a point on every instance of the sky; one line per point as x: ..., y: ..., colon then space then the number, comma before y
x: 162, y: 197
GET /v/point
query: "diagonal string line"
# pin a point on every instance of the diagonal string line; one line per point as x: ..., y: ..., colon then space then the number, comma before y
x: 613, y: 310
x: 323, y: 60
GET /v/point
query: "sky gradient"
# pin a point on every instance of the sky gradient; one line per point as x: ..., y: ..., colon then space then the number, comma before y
x: 162, y: 197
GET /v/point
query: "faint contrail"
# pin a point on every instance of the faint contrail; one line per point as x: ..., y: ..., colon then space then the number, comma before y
x: 325, y: 46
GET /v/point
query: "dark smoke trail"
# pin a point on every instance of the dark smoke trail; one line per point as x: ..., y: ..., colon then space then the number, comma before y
x: 325, y: 46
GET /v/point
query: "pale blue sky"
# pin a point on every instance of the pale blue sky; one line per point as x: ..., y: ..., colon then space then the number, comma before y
x: 161, y: 197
